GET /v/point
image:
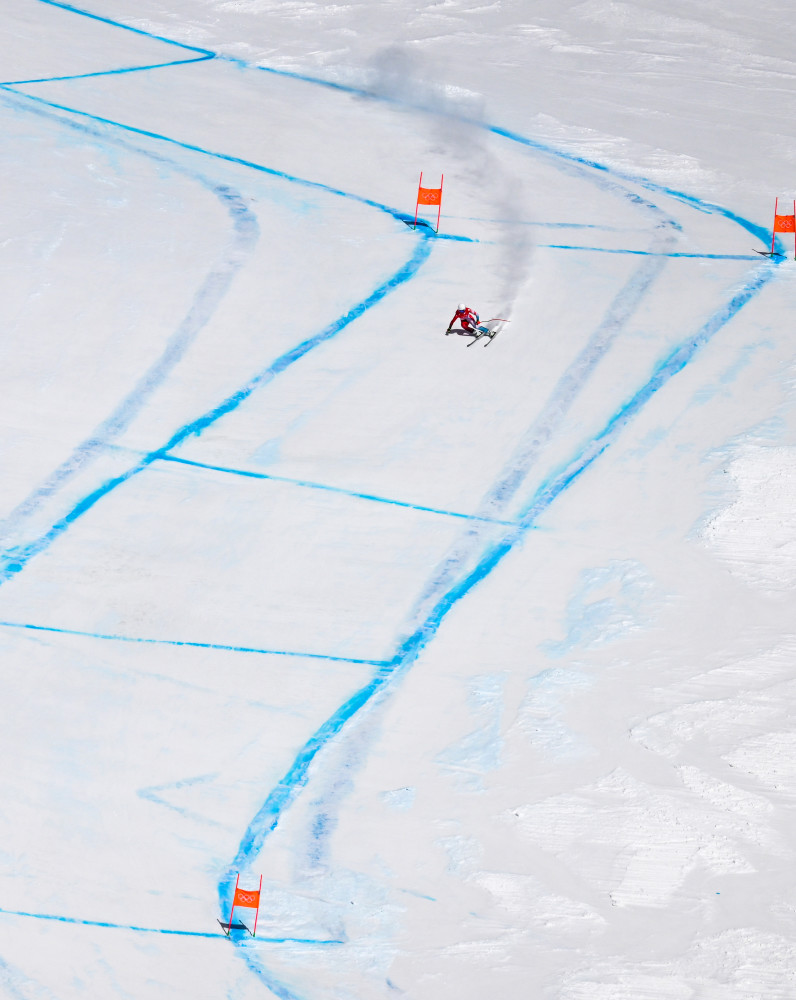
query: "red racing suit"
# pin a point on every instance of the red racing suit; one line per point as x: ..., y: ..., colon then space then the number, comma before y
x: 467, y: 317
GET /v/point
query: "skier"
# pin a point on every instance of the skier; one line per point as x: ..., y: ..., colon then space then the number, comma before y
x: 469, y: 321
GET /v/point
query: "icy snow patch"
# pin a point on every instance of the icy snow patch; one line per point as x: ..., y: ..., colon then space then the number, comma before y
x: 756, y: 534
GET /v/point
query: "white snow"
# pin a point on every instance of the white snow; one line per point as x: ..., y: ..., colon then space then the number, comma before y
x: 483, y: 658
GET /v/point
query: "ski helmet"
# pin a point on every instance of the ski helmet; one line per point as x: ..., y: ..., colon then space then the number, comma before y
x: 461, y: 307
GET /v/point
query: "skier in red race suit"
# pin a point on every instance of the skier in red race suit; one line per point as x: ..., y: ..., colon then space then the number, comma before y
x: 469, y: 321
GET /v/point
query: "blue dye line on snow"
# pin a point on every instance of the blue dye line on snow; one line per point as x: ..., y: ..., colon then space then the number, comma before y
x: 12, y: 980
x: 418, y: 895
x: 151, y: 795
x: 548, y: 225
x: 207, y: 53
x: 165, y: 930
x: 453, y: 237
x: 307, y: 484
x: 105, y: 72
x: 651, y: 253
x: 112, y: 637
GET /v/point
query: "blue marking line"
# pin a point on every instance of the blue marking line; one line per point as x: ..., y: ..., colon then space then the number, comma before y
x: 419, y: 895
x: 195, y: 645
x: 453, y: 237
x: 103, y: 72
x: 651, y: 253
x: 206, y: 53
x: 151, y: 795
x: 548, y: 225
x: 165, y: 930
x: 307, y: 484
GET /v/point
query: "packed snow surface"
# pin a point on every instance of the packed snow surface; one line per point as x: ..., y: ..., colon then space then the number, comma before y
x: 482, y: 656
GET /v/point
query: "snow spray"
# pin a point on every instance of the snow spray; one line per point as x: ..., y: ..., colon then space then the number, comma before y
x: 400, y: 74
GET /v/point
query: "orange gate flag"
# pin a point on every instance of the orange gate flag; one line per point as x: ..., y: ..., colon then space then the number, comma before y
x: 429, y: 196
x: 783, y: 224
x: 249, y: 898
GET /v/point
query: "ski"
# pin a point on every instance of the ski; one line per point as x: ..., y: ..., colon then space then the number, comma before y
x: 237, y: 926
x: 492, y: 328
x: 489, y: 329
x: 768, y: 253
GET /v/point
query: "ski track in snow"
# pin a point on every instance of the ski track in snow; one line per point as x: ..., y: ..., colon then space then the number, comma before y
x: 484, y: 544
x: 206, y: 300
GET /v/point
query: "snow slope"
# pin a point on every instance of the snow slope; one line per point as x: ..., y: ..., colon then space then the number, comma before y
x: 483, y: 658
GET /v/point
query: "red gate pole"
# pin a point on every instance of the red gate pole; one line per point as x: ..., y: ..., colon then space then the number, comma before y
x: 439, y: 210
x: 794, y: 228
x: 257, y: 914
x: 774, y: 230
x: 417, y: 203
x: 229, y: 930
